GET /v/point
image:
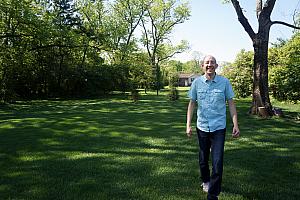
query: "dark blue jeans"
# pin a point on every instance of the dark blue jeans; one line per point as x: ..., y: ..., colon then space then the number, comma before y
x: 211, y: 142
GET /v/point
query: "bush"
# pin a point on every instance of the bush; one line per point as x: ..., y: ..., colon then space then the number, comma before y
x: 285, y: 73
x: 173, y: 94
x: 135, y: 95
x: 240, y: 74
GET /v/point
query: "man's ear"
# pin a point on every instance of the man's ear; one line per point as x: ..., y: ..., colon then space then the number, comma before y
x: 217, y: 66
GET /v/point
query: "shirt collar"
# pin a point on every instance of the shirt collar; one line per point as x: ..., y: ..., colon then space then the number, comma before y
x: 216, y: 78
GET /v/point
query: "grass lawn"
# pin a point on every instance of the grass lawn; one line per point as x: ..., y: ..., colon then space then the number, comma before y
x: 112, y: 148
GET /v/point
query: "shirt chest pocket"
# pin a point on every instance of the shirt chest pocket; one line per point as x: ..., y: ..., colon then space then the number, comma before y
x: 218, y: 96
x: 201, y: 94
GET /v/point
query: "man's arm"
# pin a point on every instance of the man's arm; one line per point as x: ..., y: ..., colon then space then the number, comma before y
x: 233, y: 113
x: 189, y: 117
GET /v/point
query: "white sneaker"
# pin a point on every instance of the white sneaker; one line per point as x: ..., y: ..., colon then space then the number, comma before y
x: 205, y: 186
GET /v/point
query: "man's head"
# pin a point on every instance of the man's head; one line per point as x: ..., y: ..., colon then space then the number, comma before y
x: 209, y: 65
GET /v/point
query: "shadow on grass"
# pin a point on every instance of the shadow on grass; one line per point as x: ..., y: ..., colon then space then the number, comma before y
x: 95, y: 149
x: 264, y: 162
x: 112, y: 148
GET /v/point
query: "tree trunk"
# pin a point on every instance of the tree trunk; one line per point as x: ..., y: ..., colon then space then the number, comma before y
x: 155, y: 74
x: 157, y: 78
x: 260, y: 97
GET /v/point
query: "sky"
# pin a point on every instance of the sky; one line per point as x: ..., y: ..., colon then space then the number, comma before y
x: 213, y: 28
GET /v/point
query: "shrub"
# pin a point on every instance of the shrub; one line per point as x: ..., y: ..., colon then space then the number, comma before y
x: 285, y: 73
x: 240, y: 74
x: 135, y: 95
x: 173, y: 94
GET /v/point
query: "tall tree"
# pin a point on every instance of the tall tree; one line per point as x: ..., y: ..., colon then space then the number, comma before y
x: 260, y: 40
x: 18, y: 24
x: 127, y: 15
x: 159, y: 20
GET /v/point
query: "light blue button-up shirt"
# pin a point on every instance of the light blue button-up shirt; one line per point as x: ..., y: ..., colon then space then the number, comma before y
x: 211, y: 96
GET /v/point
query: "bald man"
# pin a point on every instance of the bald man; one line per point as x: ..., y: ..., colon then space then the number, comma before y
x: 211, y: 92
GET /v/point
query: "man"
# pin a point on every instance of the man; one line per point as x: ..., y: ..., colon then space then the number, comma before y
x: 211, y: 92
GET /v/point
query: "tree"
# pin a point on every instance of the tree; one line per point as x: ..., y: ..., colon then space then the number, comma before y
x: 239, y: 73
x: 197, y: 57
x: 69, y: 48
x: 160, y: 18
x: 18, y: 24
x: 120, y: 23
x: 260, y: 40
x: 285, y: 70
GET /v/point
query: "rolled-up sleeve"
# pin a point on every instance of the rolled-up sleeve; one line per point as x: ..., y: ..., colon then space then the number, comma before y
x: 229, y: 91
x: 192, y: 93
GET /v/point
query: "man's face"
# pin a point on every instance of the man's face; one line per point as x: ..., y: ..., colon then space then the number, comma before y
x: 209, y: 65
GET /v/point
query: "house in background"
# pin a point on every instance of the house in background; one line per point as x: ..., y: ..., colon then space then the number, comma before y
x: 186, y: 80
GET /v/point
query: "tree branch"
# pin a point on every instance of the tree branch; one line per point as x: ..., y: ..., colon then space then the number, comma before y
x: 286, y: 24
x: 268, y: 7
x: 258, y: 8
x: 242, y: 19
x: 15, y: 36
x: 295, y: 16
x: 146, y: 38
x: 54, y: 45
x: 169, y: 56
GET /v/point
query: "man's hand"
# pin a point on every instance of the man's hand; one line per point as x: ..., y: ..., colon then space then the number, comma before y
x: 189, y: 131
x: 235, y: 132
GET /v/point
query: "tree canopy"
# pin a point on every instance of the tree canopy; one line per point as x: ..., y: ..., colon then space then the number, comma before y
x: 54, y: 48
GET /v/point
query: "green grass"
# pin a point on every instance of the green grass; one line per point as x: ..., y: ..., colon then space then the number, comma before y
x: 112, y: 148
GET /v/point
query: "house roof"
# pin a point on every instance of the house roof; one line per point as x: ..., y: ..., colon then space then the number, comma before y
x: 186, y: 75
